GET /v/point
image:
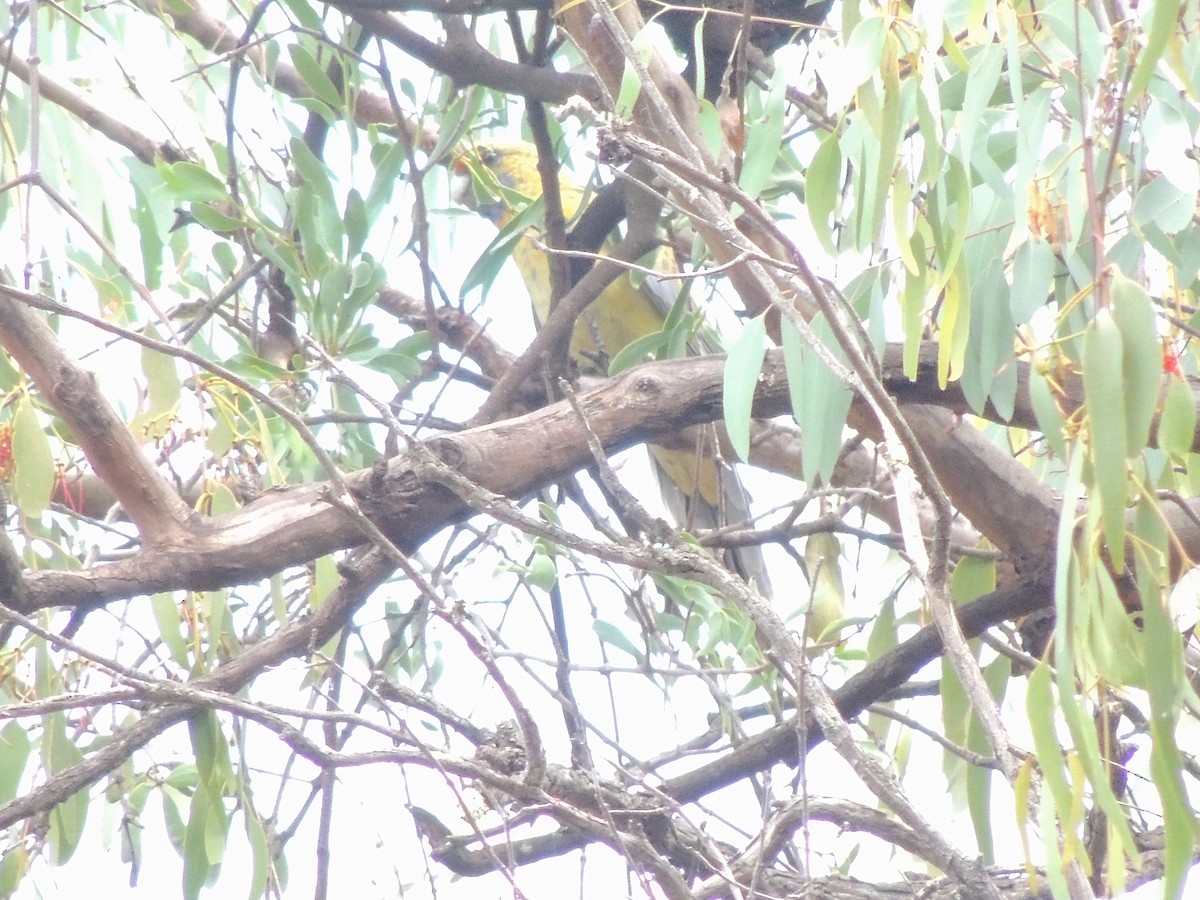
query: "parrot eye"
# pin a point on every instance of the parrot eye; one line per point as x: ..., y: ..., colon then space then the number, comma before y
x: 488, y: 157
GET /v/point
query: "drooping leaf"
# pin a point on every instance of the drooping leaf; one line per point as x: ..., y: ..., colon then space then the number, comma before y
x: 15, y: 748
x: 1141, y: 359
x: 1164, y: 14
x: 260, y: 853
x: 1164, y: 205
x: 1041, y: 707
x: 912, y: 300
x: 166, y: 614
x: 1033, y: 268
x: 822, y: 183
x: 33, y: 478
x: 764, y: 137
x: 1177, y: 425
x: 68, y: 817
x: 314, y: 75
x: 1104, y: 399
x: 982, y: 79
x: 742, y: 368
x: 188, y: 181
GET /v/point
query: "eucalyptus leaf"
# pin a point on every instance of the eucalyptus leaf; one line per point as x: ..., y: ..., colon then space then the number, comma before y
x: 742, y: 368
x: 1104, y: 398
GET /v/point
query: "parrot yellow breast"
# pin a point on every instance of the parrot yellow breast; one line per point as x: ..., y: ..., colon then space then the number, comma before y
x: 701, y: 492
x: 622, y: 313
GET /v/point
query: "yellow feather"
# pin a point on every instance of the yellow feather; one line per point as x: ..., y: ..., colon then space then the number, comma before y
x: 621, y: 314
x: 707, y: 495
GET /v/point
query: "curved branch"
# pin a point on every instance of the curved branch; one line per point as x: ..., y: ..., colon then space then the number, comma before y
x: 779, y: 744
x: 513, y: 457
x: 358, y: 582
x: 464, y: 60
x: 112, y: 450
x: 190, y: 19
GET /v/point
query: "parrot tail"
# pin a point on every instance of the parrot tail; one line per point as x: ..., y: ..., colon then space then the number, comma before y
x: 703, y: 493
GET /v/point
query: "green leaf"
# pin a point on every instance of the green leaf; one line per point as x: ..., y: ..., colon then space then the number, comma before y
x: 391, y: 160
x: 883, y: 636
x: 357, y: 222
x: 1041, y: 708
x: 1164, y: 15
x: 314, y: 172
x: 821, y: 400
x: 890, y: 130
x: 305, y: 13
x: 1104, y: 400
x: 13, y: 869
x: 214, y: 218
x: 912, y: 307
x: 764, y: 138
x: 1033, y: 269
x: 989, y: 344
x: 742, y: 368
x: 844, y: 72
x: 822, y: 185
x: 1045, y: 407
x: 981, y: 85
x: 954, y: 195
x: 14, y: 756
x: 67, y: 818
x: 196, y: 867
x: 33, y: 478
x: 636, y: 351
x: 542, y: 572
x: 1165, y: 683
x: 1023, y: 791
x: 314, y: 75
x: 610, y: 635
x: 709, y: 120
x: 1177, y: 425
x: 1162, y: 204
x: 954, y: 326
x: 172, y: 798
x: 631, y: 84
x: 150, y: 239
x: 1141, y: 359
x: 902, y: 208
x: 487, y: 267
x: 929, y: 117
x: 188, y: 181
x: 979, y: 779
x: 325, y: 581
x: 822, y: 556
x: 793, y: 361
x: 366, y: 279
x: 166, y: 614
x: 163, y: 386
x: 400, y: 367
x: 260, y: 852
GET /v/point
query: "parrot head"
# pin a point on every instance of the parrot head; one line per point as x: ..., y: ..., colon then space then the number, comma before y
x: 500, y: 179
x: 493, y: 179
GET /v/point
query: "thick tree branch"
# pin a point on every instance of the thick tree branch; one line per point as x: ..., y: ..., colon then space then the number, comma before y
x: 150, y: 500
x: 463, y: 59
x: 513, y: 457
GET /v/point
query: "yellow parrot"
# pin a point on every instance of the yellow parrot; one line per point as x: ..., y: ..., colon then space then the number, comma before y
x: 700, y: 491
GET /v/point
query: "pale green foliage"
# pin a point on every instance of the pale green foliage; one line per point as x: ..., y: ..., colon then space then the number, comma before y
x: 1003, y: 195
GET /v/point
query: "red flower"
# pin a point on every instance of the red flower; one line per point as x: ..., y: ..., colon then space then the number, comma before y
x: 1170, y: 362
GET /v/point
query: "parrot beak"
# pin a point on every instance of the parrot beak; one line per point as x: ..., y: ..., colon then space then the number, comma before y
x: 462, y: 189
x: 470, y: 189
